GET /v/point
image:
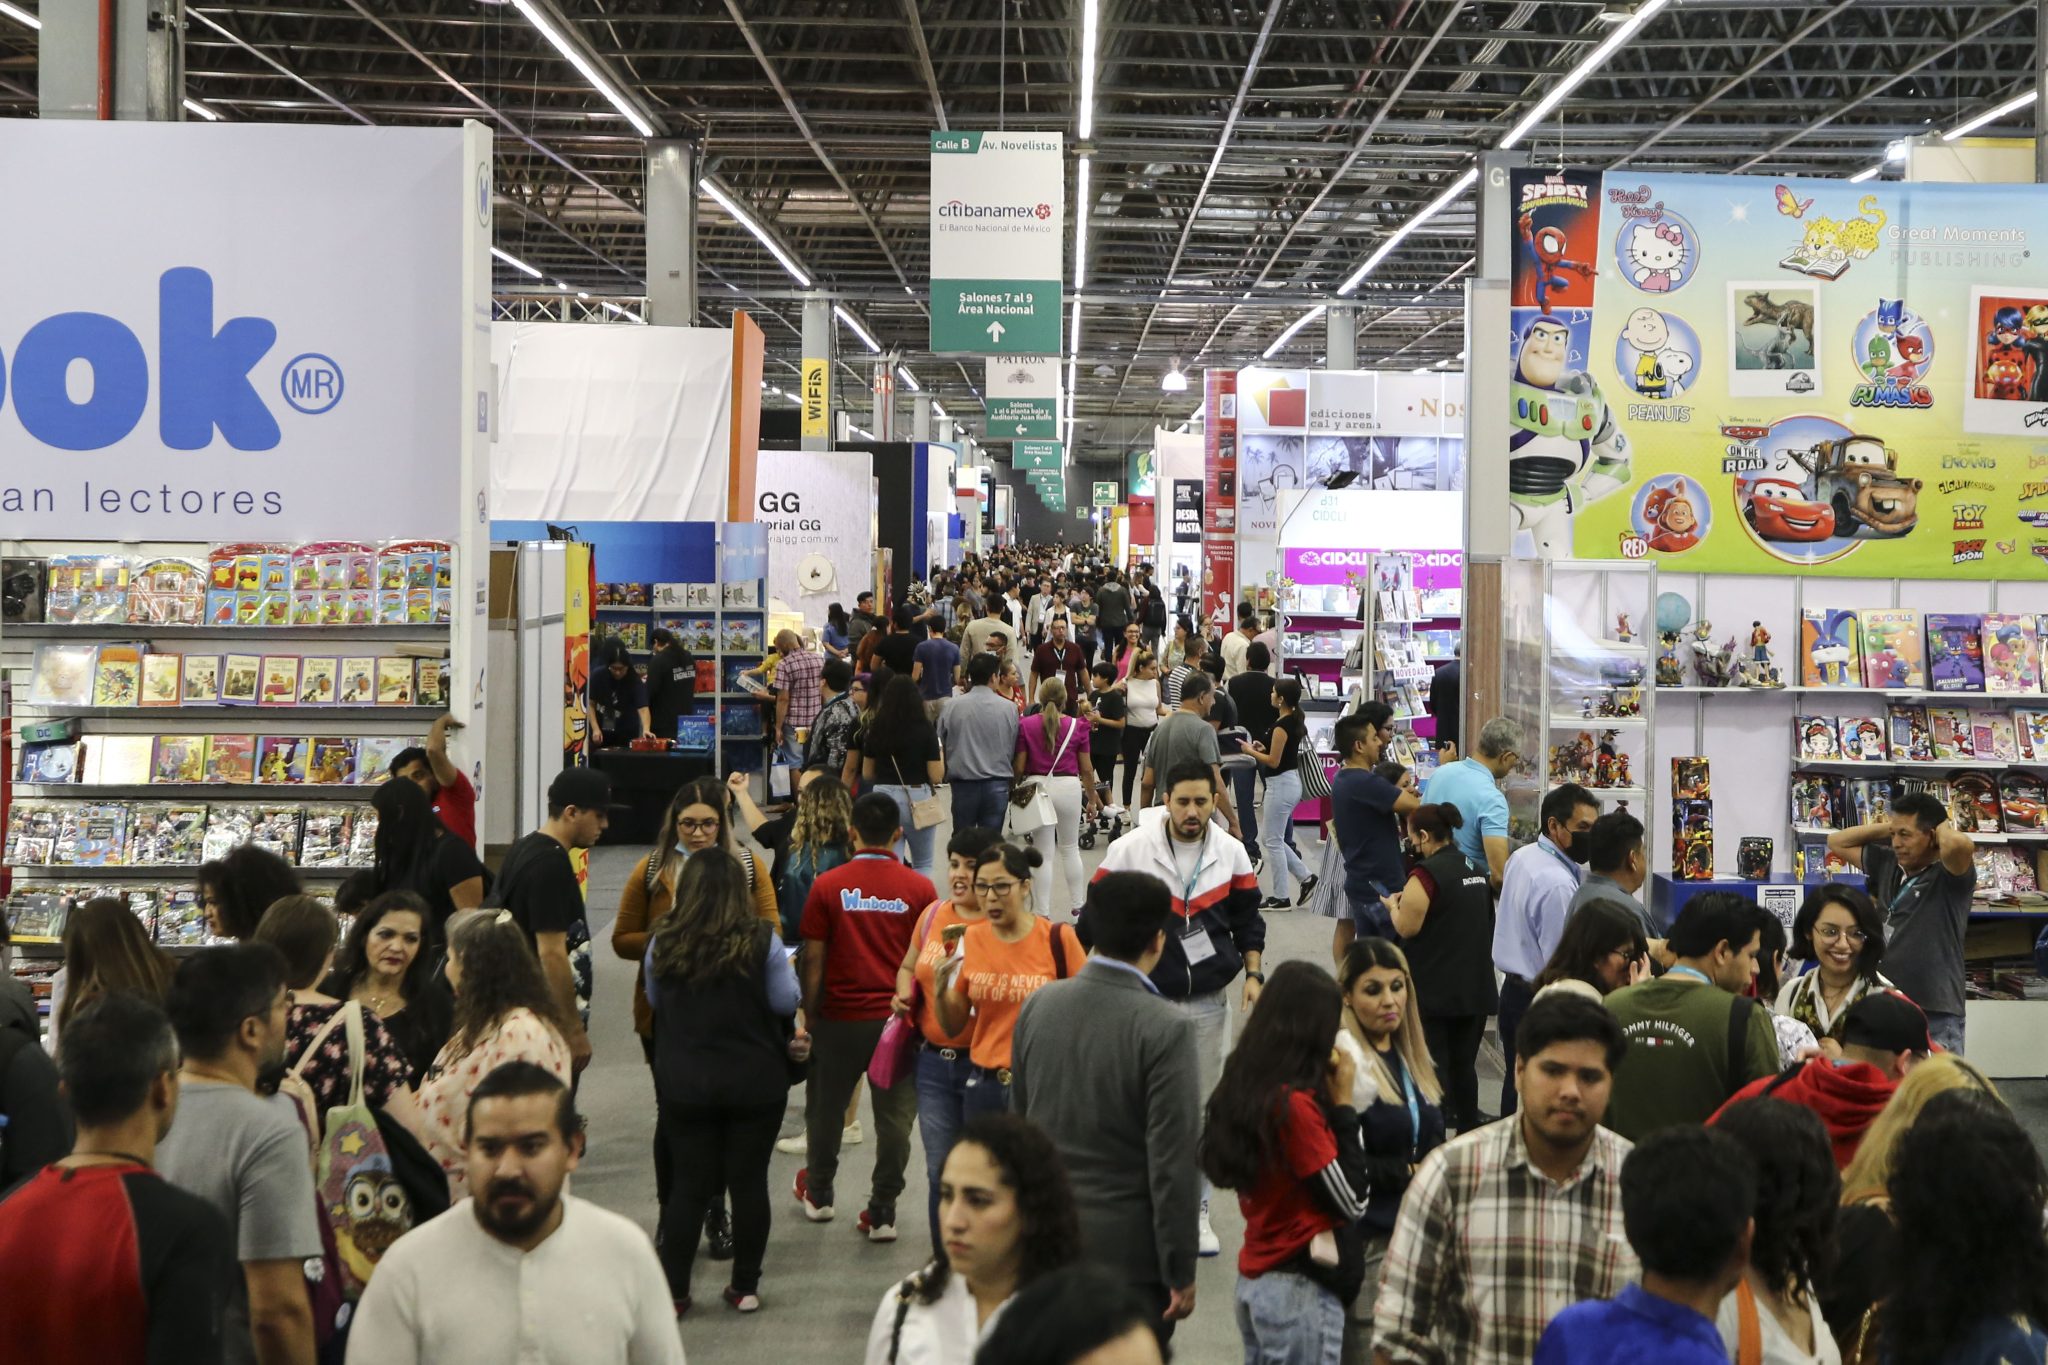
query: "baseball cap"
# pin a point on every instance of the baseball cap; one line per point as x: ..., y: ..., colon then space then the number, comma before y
x: 583, y: 787
x: 1888, y: 1022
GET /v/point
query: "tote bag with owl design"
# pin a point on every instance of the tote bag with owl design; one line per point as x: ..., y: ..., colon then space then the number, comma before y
x: 365, y: 1201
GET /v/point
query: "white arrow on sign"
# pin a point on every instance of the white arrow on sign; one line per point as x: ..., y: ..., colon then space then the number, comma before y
x: 1021, y: 428
x: 995, y: 332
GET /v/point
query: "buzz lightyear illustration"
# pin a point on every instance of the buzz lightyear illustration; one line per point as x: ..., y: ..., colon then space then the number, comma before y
x: 1566, y: 451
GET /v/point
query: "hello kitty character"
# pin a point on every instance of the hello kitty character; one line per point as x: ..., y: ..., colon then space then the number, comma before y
x: 1656, y: 256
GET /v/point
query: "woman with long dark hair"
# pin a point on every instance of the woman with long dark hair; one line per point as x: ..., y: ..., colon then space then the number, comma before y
x: 304, y: 932
x: 1840, y: 931
x: 415, y: 852
x: 1280, y: 756
x: 387, y: 965
x: 1969, y: 1284
x: 867, y: 695
x: 106, y: 949
x: 1444, y: 916
x: 900, y: 759
x: 1798, y: 1192
x: 1603, y: 946
x: 1282, y: 1109
x: 504, y: 1012
x: 723, y: 993
x: 833, y: 636
x: 1006, y: 1219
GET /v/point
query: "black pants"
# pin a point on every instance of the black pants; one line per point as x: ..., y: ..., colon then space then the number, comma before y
x: 664, y: 1163
x: 1136, y: 737
x: 714, y: 1149
x: 1158, y: 1297
x: 1515, y: 995
x: 1454, y: 1047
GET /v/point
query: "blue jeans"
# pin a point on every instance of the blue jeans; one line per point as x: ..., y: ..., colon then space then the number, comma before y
x: 1289, y: 1319
x: 1283, y: 794
x: 941, y: 1110
x: 1947, y: 1030
x: 978, y: 802
x: 919, y: 840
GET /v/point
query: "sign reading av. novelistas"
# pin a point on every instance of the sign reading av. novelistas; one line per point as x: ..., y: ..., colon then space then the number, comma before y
x: 239, y: 331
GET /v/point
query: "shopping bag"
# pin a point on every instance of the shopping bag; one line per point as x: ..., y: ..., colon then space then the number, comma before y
x: 895, y: 1053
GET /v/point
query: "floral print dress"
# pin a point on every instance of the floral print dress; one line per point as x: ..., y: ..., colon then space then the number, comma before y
x: 521, y: 1036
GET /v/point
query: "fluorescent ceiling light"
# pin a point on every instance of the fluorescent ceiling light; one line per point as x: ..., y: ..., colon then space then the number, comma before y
x: 909, y: 380
x: 1895, y: 150
x: 746, y: 220
x: 624, y: 312
x: 1991, y: 115
x: 563, y: 287
x: 1429, y: 211
x: 1867, y: 174
x: 574, y: 56
x: 1090, y: 22
x: 509, y: 259
x: 1081, y: 224
x: 1592, y: 62
x: 853, y: 324
x: 1293, y: 327
x: 194, y: 106
x: 938, y: 409
x: 19, y: 15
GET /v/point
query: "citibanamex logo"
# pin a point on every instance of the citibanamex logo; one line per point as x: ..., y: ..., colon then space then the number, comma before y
x: 1044, y: 211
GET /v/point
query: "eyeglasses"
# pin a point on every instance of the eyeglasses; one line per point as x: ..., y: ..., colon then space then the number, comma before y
x: 697, y: 826
x: 995, y: 888
x: 1829, y: 933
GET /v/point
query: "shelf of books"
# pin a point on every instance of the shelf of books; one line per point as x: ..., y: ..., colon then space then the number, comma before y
x: 1410, y: 631
x: 723, y: 627
x: 1319, y: 630
x: 169, y: 704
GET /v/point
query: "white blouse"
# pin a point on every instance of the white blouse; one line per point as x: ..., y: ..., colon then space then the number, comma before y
x: 1143, y: 697
x: 940, y: 1333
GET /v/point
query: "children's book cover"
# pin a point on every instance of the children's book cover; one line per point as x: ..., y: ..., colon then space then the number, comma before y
x: 2023, y: 800
x: 373, y: 758
x: 1830, y: 649
x: 51, y: 761
x: 179, y: 759
x: 199, y: 679
x: 117, y: 678
x: 280, y: 680
x: 331, y: 761
x: 64, y: 675
x: 1818, y: 738
x: 230, y: 759
x: 358, y: 682
x: 240, y: 677
x: 1892, y: 656
x: 2033, y: 734
x: 1910, y: 740
x: 92, y: 836
x: 119, y: 760
x: 1973, y: 802
x: 1994, y: 735
x: 1862, y: 739
x: 2012, y: 654
x: 1950, y: 733
x: 160, y: 680
x: 1955, y: 652
x: 281, y: 760
x: 317, y: 686
x: 394, y: 682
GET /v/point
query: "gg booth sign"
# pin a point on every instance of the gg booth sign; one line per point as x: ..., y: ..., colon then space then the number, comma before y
x: 240, y: 331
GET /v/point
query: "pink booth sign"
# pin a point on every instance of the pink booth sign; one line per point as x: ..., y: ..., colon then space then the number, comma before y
x: 1328, y: 568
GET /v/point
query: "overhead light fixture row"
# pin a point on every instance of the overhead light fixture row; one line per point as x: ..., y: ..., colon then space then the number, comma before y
x: 739, y: 215
x: 573, y: 54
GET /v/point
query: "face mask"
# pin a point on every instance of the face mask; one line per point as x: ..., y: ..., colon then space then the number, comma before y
x: 1581, y: 847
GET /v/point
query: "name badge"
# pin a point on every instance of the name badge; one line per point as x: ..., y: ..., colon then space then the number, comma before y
x: 1197, y: 944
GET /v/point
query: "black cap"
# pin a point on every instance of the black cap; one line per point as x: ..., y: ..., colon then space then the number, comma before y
x: 1887, y: 1022
x: 583, y: 787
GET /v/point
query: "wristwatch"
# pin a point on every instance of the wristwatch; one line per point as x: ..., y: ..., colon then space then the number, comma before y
x: 1259, y: 977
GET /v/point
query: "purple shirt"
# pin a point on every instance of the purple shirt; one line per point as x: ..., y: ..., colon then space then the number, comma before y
x: 1038, y: 755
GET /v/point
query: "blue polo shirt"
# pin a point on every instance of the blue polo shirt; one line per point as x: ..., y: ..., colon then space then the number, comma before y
x: 1468, y: 785
x: 1535, y: 901
x: 1629, y: 1329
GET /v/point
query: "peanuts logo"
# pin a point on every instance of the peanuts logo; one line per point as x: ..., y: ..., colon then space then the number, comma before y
x: 1963, y: 485
x: 2031, y: 490
x: 1968, y: 551
x: 1969, y: 516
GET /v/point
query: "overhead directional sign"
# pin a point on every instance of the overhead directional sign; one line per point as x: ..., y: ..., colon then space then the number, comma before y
x: 1105, y: 493
x: 1023, y: 397
x: 998, y: 206
x: 1038, y: 455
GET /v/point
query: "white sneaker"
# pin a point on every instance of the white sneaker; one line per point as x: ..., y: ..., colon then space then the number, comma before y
x: 793, y: 1146
x: 850, y: 1135
x: 1205, y: 1236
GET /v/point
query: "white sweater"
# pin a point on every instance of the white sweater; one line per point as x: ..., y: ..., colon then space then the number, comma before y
x: 941, y: 1333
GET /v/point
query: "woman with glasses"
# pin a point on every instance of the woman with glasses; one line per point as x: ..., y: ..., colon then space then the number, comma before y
x: 1839, y: 930
x: 994, y: 966
x: 1603, y: 946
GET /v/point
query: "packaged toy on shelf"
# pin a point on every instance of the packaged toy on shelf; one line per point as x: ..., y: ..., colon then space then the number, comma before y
x: 1753, y: 857
x: 87, y: 590
x: 1891, y: 649
x: 1692, y: 840
x: 168, y: 592
x: 1691, y: 778
x: 1973, y: 801
x: 1955, y: 652
x: 1816, y: 801
x: 1830, y: 649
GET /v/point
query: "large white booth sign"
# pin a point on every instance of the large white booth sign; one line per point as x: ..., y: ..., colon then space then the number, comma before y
x: 819, y: 507
x: 237, y: 332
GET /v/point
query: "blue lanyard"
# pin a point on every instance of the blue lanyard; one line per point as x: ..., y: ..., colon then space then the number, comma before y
x: 1905, y: 884
x: 1692, y: 972
x: 1201, y: 865
x: 1414, y: 1104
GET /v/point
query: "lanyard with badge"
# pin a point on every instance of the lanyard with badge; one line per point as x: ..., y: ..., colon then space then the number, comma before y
x: 1195, y: 942
x: 1906, y: 884
x: 1414, y: 1107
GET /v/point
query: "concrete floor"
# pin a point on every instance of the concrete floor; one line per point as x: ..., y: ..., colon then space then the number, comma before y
x: 821, y: 1283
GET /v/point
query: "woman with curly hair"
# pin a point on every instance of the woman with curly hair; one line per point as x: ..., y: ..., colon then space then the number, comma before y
x: 1969, y: 1284
x: 237, y: 887
x: 1006, y: 1218
x: 820, y: 840
x: 724, y: 997
x: 1280, y: 1130
x: 1777, y: 1303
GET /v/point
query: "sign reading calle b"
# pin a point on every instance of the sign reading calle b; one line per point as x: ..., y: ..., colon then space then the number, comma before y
x: 998, y: 224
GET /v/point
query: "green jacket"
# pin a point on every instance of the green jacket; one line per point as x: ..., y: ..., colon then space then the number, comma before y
x: 1676, y: 1068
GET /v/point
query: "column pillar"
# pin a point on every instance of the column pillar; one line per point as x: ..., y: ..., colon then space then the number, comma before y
x: 148, y: 76
x: 921, y: 417
x: 1340, y: 348
x: 818, y: 353
x: 671, y: 233
x: 944, y: 429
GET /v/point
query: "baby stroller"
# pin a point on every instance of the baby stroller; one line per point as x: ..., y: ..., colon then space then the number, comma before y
x: 1108, y: 825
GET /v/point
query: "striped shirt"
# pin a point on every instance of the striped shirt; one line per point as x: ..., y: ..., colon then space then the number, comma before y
x: 1488, y: 1249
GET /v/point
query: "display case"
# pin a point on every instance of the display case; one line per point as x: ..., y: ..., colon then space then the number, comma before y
x: 1409, y: 633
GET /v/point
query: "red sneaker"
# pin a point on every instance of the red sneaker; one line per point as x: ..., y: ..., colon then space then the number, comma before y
x: 815, y: 1212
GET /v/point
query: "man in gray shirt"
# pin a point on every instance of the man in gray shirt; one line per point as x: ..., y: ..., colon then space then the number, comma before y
x: 1616, y: 869
x: 1107, y: 1068
x: 1186, y: 736
x: 240, y: 1146
x: 978, y: 735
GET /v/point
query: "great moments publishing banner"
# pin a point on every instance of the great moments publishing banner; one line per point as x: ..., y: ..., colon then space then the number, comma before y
x: 1733, y: 374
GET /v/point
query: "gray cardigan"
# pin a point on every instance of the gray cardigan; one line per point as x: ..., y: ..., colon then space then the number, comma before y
x: 1108, y: 1070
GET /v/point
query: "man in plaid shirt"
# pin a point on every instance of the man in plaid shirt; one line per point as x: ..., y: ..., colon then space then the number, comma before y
x: 1506, y: 1225
x: 796, y: 686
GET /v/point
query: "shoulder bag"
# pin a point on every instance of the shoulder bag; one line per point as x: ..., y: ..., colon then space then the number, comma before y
x: 1031, y: 808
x: 926, y: 810
x: 1738, y: 1040
x: 362, y: 1196
x: 1315, y: 779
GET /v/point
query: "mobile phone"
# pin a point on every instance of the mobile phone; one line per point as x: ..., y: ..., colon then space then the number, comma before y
x: 952, y: 934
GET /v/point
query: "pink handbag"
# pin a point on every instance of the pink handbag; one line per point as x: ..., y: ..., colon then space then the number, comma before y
x: 895, y: 1056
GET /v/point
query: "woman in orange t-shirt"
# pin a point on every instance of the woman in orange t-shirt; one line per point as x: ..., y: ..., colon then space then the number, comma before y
x: 1000, y: 964
x: 943, y: 1068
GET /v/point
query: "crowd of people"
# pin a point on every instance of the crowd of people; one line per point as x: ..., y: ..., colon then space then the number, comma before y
x: 1716, y: 1139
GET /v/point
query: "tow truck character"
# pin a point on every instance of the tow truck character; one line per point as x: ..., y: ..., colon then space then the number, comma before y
x: 1545, y: 247
x: 1566, y: 451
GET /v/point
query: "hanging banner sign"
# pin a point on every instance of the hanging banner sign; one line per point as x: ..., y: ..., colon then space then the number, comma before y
x: 1023, y: 398
x: 1038, y: 455
x: 1739, y: 375
x: 1219, y: 495
x: 998, y: 233
x: 817, y: 396
x: 1187, y: 511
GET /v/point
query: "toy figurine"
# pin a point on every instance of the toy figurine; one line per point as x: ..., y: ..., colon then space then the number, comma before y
x: 1669, y: 674
x: 1759, y: 642
x: 1622, y: 630
x: 1604, y: 764
x: 1712, y: 664
x: 1621, y: 770
x: 1586, y: 708
x: 1753, y: 858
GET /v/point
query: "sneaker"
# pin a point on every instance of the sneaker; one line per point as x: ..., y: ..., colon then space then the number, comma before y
x: 745, y: 1303
x: 816, y: 1212
x: 1308, y: 888
x: 718, y: 1233
x: 798, y: 1145
x: 1205, y: 1236
x: 1276, y: 903
x: 682, y: 1305
x: 878, y: 1225
x: 849, y: 1136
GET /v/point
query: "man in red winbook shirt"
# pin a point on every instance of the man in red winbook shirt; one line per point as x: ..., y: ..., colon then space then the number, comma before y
x: 103, y: 1259
x: 1882, y: 1037
x: 856, y: 927
x: 453, y: 797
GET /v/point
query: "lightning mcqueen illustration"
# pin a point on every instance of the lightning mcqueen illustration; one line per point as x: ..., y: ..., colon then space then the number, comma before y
x: 1779, y: 509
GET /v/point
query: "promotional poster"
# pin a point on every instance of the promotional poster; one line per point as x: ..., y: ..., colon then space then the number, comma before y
x: 1737, y: 374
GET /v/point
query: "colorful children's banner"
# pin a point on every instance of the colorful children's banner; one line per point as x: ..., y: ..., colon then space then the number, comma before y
x: 1744, y: 375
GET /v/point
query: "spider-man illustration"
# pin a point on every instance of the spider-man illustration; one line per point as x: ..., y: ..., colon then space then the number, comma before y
x: 1545, y: 248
